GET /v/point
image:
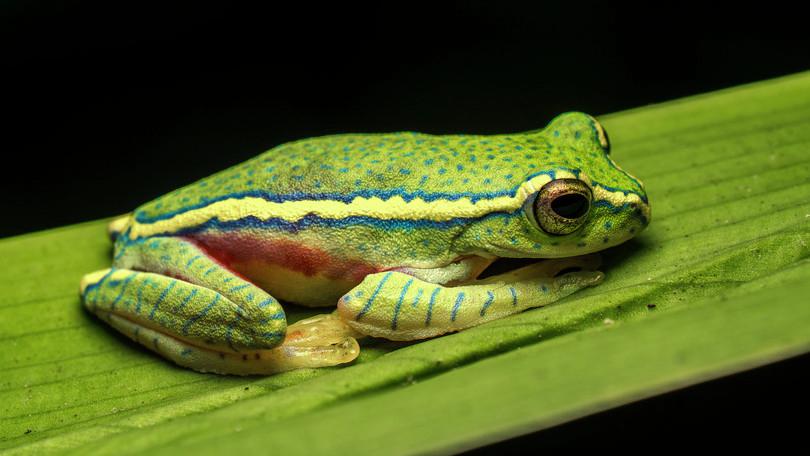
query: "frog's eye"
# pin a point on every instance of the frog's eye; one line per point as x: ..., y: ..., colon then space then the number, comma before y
x: 562, y: 205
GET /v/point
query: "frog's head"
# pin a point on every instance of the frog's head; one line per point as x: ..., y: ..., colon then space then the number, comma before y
x: 574, y: 201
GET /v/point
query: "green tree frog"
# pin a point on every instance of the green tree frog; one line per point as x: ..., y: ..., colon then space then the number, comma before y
x: 393, y: 229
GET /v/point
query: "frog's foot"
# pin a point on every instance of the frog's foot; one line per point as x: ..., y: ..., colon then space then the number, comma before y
x: 322, y: 340
x: 399, y: 306
x: 320, y: 330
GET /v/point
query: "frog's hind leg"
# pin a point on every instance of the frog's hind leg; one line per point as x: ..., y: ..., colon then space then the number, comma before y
x: 198, y: 302
x: 193, y: 325
x: 399, y: 306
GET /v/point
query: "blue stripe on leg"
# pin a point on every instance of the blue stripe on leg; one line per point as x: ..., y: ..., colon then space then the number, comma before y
x: 430, y: 305
x: 123, y: 289
x: 366, y: 308
x: 160, y: 299
x: 514, y: 296
x: 487, y: 303
x: 399, y: 303
x: 416, y: 299
x: 459, y: 298
x: 202, y: 313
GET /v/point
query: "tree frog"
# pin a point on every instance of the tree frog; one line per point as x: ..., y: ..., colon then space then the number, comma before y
x: 393, y: 229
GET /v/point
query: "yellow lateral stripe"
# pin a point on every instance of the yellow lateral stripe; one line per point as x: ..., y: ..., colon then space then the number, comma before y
x: 394, y: 208
x: 618, y: 198
x: 91, y: 278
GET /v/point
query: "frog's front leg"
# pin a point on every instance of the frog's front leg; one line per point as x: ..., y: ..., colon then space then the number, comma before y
x: 201, y: 315
x: 398, y: 306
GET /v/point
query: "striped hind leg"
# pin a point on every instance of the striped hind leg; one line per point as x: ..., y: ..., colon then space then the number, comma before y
x: 194, y: 326
x: 398, y: 306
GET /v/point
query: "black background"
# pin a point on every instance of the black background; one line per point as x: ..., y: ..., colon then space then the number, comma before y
x: 109, y: 106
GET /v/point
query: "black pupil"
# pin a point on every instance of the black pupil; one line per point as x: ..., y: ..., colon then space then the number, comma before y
x: 570, y: 206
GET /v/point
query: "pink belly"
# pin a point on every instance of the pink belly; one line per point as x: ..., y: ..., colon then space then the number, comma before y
x: 288, y: 270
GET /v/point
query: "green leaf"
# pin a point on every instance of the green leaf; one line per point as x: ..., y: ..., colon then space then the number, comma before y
x: 717, y: 284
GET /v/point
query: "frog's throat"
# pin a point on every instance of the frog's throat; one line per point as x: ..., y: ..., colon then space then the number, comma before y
x: 441, y: 208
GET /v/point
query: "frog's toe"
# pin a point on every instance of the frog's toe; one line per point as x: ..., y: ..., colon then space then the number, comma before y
x: 296, y: 356
x: 575, y: 273
x: 579, y: 279
x: 319, y: 331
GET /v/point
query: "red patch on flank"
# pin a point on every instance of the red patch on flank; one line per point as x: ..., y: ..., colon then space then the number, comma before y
x: 232, y: 249
x: 221, y: 257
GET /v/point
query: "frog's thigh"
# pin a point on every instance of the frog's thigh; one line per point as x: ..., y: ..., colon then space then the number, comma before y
x: 194, y: 326
x: 398, y: 306
x: 259, y: 320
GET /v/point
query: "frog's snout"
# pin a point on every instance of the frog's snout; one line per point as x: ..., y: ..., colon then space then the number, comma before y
x: 641, y: 211
x: 118, y: 226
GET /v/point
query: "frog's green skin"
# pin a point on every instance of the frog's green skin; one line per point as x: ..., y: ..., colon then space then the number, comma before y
x: 393, y: 228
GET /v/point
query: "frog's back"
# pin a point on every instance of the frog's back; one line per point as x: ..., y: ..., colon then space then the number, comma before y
x: 322, y: 213
x: 342, y: 167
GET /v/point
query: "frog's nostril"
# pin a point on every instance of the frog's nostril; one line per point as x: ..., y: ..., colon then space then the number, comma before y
x: 642, y: 213
x: 570, y: 206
